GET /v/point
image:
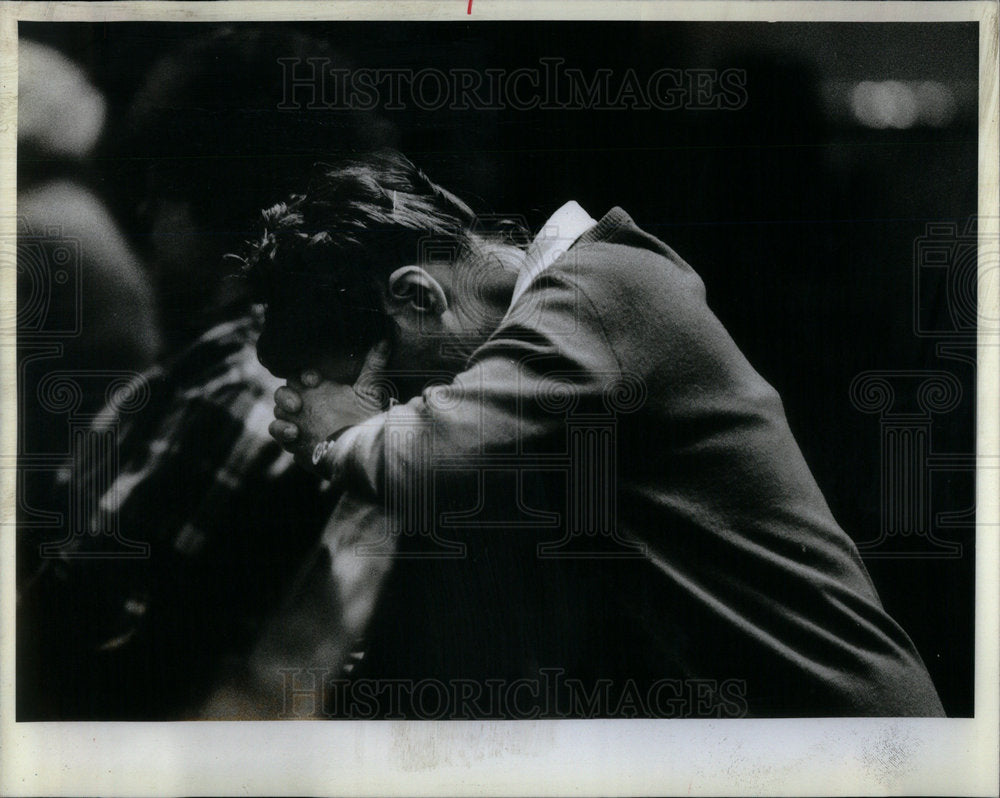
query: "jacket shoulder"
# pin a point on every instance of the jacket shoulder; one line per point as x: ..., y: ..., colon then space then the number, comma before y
x: 626, y: 266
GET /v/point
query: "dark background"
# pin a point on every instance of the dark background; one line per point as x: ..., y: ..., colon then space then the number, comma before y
x: 801, y: 220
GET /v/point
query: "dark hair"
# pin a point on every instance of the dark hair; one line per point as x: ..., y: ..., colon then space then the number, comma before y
x: 321, y: 263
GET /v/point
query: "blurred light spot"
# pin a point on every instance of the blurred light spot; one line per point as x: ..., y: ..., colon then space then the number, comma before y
x: 884, y: 104
x: 936, y: 103
x: 58, y: 109
x: 135, y: 607
x: 901, y: 104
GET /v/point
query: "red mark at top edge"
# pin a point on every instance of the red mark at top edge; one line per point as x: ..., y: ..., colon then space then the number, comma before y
x: 470, y: 7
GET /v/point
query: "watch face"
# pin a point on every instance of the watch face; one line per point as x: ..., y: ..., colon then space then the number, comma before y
x: 318, y: 452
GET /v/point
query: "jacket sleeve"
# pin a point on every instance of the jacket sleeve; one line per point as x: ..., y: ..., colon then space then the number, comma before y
x: 550, y: 355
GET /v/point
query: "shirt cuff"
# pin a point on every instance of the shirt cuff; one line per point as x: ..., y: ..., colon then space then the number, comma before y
x: 353, y: 456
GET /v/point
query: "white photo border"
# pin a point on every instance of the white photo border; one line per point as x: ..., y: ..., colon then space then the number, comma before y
x: 640, y: 757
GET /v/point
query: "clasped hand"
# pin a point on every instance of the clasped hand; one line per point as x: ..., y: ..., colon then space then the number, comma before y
x: 309, y: 409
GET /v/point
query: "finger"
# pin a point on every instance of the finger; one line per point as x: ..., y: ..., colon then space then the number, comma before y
x: 287, y: 400
x: 283, y: 431
x: 311, y: 378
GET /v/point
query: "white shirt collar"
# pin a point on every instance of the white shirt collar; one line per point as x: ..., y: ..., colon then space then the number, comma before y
x: 564, y: 227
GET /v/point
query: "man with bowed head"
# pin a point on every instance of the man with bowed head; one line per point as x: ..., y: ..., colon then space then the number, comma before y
x: 721, y: 559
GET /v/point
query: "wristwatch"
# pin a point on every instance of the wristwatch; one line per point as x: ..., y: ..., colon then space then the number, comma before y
x: 323, y: 448
x: 319, y: 451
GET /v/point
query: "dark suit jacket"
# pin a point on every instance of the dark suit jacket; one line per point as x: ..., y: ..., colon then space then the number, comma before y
x: 636, y: 508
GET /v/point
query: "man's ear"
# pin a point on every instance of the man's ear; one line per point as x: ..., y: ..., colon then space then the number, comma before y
x: 418, y: 289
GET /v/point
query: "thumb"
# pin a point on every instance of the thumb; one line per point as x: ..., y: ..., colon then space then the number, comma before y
x: 372, y: 386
